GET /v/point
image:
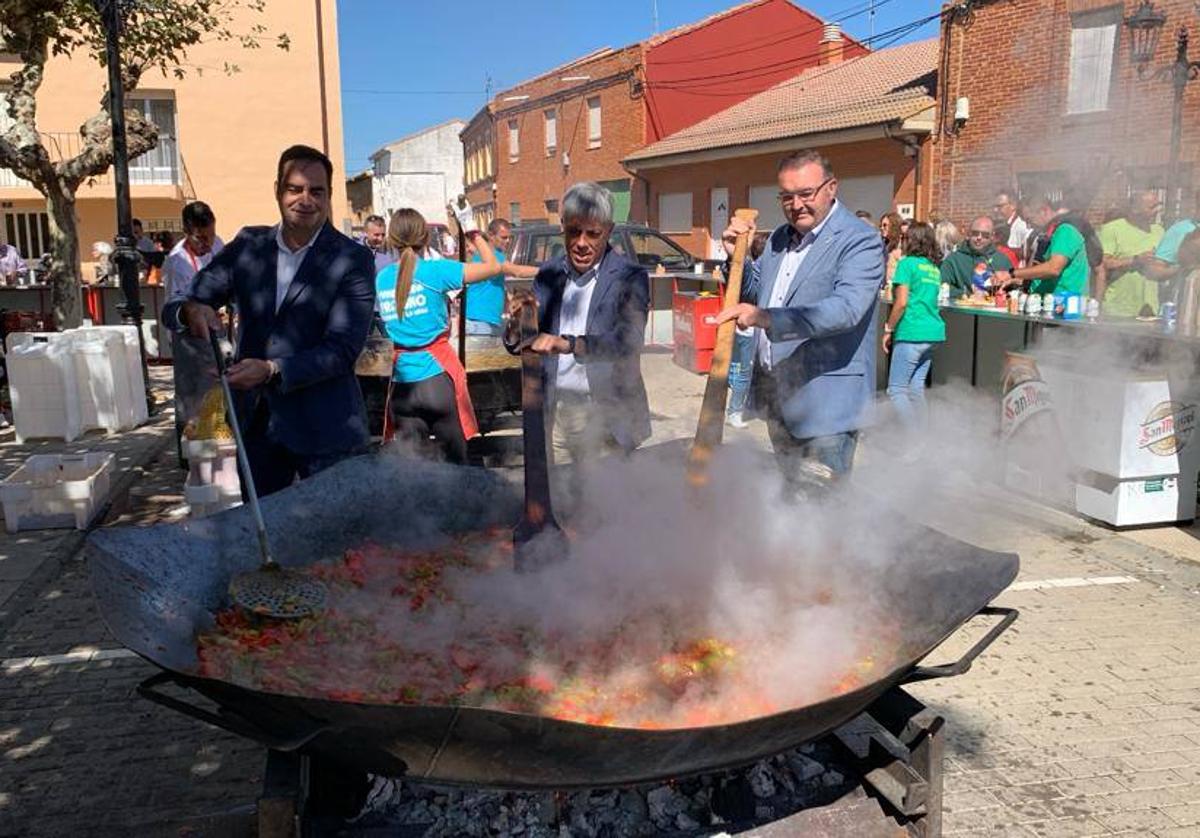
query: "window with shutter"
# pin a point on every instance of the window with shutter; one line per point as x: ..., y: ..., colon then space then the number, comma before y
x: 1093, y: 48
x: 594, y: 120
x: 161, y: 163
x: 514, y: 141
x: 551, y: 119
x: 675, y: 212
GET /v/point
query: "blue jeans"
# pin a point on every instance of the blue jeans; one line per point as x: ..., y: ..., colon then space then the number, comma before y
x: 906, y: 382
x: 741, y: 367
x: 482, y: 327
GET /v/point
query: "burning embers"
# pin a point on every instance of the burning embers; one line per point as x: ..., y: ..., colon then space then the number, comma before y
x: 765, y: 792
x: 410, y: 627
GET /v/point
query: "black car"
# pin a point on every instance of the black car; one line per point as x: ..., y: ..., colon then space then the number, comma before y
x: 538, y: 243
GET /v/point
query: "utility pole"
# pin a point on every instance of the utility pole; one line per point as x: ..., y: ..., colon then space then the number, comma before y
x: 125, y: 252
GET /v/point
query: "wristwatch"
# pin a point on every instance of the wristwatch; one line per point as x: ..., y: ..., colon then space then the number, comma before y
x: 570, y: 339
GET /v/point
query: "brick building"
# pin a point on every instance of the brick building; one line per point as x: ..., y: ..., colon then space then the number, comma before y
x: 1055, y: 104
x: 870, y: 115
x: 579, y: 121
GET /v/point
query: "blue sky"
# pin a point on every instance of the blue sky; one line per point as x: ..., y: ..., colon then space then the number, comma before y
x: 408, y: 64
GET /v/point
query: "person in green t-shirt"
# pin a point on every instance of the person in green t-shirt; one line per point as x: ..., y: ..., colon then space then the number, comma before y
x: 1065, y: 267
x: 1129, y: 244
x: 915, y: 327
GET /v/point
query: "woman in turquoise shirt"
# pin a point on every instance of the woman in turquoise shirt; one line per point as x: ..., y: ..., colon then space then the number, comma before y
x: 428, y: 392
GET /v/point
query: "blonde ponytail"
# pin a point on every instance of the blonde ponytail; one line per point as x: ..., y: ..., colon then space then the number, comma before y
x: 408, y: 234
x: 405, y: 268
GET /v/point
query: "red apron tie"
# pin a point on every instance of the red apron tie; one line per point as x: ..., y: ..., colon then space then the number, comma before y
x: 442, y: 353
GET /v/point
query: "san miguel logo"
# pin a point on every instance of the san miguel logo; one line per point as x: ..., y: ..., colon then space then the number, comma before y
x: 1025, y: 394
x: 1024, y: 400
x: 1167, y: 428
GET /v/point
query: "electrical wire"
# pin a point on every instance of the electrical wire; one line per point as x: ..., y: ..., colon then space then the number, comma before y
x: 884, y: 39
x: 839, y: 17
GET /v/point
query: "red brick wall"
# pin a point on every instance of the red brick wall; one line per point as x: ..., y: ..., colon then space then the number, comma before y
x: 869, y: 157
x: 535, y: 177
x: 1012, y: 61
x: 680, y: 88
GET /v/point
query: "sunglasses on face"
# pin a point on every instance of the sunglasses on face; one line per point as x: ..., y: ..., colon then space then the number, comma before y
x: 981, y: 234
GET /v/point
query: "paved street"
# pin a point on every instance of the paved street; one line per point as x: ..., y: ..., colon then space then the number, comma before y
x: 1083, y: 720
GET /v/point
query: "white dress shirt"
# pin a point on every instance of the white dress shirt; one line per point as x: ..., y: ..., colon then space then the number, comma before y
x: 789, y: 266
x: 1018, y: 233
x: 181, y: 266
x: 572, y: 320
x: 288, y: 263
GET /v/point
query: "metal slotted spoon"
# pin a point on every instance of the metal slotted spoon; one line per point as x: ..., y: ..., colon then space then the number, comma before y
x: 271, y: 590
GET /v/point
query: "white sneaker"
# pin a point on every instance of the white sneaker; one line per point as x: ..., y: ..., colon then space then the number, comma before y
x: 737, y: 419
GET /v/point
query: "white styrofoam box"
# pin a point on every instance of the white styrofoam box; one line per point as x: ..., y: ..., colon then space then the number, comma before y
x: 54, y: 491
x: 108, y: 373
x: 1124, y: 424
x: 209, y: 499
x: 1130, y: 503
x: 103, y: 381
x: 45, y: 398
x: 133, y: 367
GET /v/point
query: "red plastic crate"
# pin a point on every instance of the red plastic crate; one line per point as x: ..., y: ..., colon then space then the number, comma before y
x: 692, y: 359
x: 695, y: 319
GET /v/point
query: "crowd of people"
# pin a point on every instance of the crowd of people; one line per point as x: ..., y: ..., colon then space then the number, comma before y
x: 807, y: 330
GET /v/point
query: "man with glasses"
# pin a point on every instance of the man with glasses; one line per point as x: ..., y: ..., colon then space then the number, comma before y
x: 811, y: 297
x: 978, y: 248
x: 1008, y: 210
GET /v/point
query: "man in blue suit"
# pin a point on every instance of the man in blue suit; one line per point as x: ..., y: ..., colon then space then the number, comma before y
x: 592, y: 309
x: 305, y: 294
x: 812, y: 298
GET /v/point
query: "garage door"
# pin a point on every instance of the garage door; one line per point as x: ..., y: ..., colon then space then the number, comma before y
x: 873, y: 193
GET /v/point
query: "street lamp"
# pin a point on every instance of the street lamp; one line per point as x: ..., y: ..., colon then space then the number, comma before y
x: 1145, y: 26
x: 125, y: 252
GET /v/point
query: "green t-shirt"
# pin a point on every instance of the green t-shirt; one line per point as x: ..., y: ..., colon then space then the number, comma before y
x: 1067, y: 242
x: 1131, y: 290
x: 921, y: 321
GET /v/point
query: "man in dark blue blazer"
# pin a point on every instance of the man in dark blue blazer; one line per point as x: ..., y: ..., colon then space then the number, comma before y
x: 592, y: 309
x: 304, y: 294
x: 811, y: 298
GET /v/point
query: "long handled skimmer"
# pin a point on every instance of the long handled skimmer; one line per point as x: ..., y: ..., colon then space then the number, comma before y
x: 271, y: 590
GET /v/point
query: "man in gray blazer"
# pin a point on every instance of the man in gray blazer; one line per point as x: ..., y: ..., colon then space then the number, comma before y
x: 812, y: 298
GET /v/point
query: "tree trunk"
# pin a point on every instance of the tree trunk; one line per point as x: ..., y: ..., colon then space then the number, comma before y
x: 64, y: 275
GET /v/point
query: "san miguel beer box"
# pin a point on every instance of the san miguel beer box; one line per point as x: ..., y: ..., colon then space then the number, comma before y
x: 1130, y: 437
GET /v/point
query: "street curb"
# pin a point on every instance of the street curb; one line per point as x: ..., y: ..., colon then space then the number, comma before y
x: 67, y: 549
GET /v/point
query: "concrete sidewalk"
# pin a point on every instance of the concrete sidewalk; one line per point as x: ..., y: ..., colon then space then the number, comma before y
x: 31, y: 558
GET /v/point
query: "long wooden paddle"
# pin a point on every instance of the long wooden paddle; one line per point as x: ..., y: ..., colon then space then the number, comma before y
x: 710, y: 429
x: 537, y: 539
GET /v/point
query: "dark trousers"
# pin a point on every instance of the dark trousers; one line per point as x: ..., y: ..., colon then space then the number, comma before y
x: 275, y: 466
x: 428, y: 408
x: 802, y: 460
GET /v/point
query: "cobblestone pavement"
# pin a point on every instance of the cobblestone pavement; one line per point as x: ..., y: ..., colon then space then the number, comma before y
x: 1084, y: 719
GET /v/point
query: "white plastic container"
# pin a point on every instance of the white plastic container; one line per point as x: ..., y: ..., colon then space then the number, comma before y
x: 56, y: 491
x: 103, y: 381
x: 209, y: 499
x: 213, y: 462
x: 133, y: 367
x: 45, y: 398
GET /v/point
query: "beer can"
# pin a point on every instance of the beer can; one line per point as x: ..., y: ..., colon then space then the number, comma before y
x: 1169, y: 317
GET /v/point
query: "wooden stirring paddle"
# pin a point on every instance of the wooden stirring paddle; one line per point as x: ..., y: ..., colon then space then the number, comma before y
x: 711, y: 427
